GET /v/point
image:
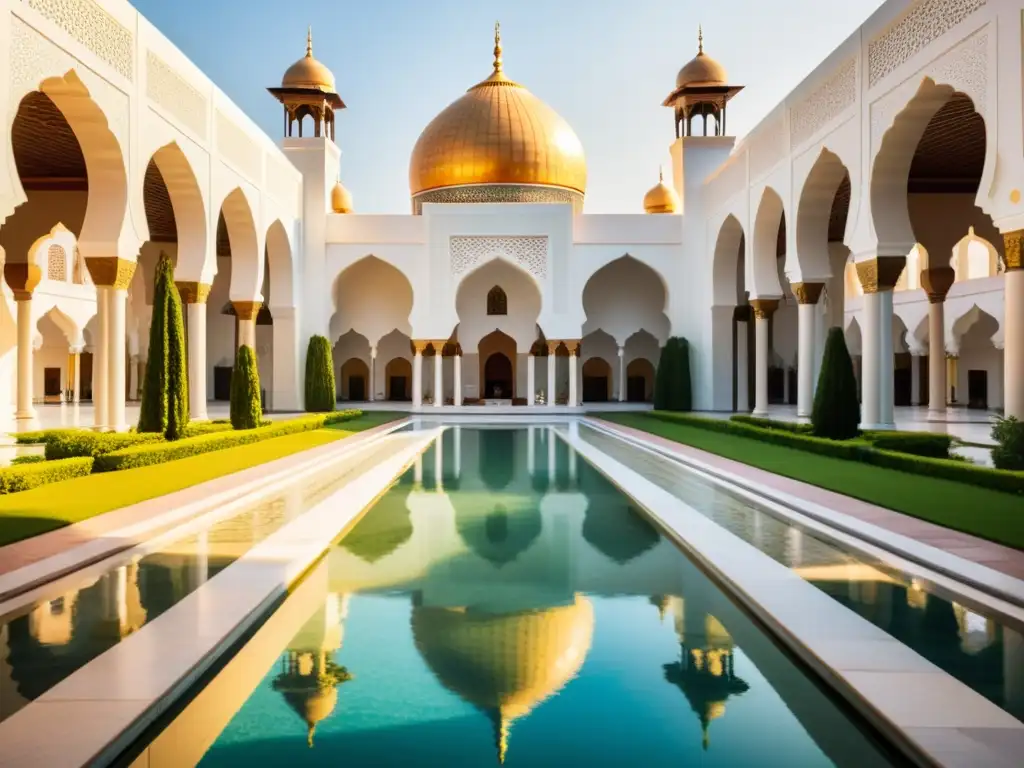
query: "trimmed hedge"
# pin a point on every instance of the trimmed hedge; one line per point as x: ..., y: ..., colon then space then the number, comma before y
x: 935, y: 445
x: 246, y: 403
x: 42, y: 436
x: 196, y: 428
x: 320, y: 386
x: 76, y: 443
x: 28, y: 476
x: 672, y: 387
x: 158, y: 453
x: 33, y: 458
x: 787, y: 426
x: 972, y: 474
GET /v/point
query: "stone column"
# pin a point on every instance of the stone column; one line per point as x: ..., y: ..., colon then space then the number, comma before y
x: 373, y: 374
x: 100, y: 361
x: 133, y: 377
x: 194, y: 295
x: 936, y: 282
x: 457, y: 378
x: 622, y: 374
x: 417, y: 373
x: 117, y: 298
x: 1013, y: 323
x: 531, y: 379
x: 763, y: 310
x: 438, y: 374
x: 574, y: 348
x: 807, y: 294
x: 23, y: 279
x: 915, y: 375
x: 878, y: 276
x: 246, y: 312
x: 552, y: 363
x: 742, y: 316
x: 77, y: 393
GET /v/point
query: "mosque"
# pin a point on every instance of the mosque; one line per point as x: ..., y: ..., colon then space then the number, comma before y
x: 882, y: 195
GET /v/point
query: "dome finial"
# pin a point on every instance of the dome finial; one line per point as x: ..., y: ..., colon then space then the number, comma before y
x: 309, y: 42
x: 700, y: 39
x: 661, y: 179
x: 497, y: 47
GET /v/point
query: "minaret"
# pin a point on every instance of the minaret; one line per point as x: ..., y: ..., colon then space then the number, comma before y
x: 308, y: 90
x: 699, y: 99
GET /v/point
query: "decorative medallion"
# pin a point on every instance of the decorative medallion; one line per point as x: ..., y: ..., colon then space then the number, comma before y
x: 528, y: 251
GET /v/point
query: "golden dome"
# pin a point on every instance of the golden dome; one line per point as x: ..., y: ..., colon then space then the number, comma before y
x: 341, y: 199
x: 505, y: 664
x: 661, y: 198
x: 497, y: 133
x: 309, y: 73
x: 702, y: 69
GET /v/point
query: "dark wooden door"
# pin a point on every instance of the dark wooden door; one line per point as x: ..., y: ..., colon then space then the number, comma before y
x: 51, y: 382
x: 399, y: 388
x: 636, y: 389
x: 356, y: 388
x: 498, y: 377
x: 977, y: 389
x: 595, y: 389
x: 222, y: 382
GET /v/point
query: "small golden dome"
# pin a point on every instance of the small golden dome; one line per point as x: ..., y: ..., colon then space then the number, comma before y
x: 661, y: 198
x: 309, y: 73
x: 341, y: 199
x: 497, y: 133
x: 702, y: 69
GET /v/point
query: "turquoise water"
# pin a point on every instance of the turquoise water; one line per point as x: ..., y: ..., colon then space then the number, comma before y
x: 504, y: 602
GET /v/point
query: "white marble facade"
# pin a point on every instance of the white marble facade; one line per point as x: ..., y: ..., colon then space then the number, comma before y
x: 805, y: 223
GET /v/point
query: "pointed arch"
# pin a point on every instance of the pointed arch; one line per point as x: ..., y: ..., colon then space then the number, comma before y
x: 244, y: 241
x: 821, y: 214
x: 763, y: 266
x: 623, y: 296
x: 188, y: 208
x: 280, y: 267
x: 726, y: 276
x: 373, y: 298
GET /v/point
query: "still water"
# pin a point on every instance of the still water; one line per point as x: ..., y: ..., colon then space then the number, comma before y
x: 503, y: 602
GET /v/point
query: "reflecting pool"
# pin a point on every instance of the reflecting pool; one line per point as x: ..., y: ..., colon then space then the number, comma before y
x: 504, y: 603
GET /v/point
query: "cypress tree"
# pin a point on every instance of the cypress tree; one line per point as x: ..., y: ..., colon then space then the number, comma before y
x: 177, y: 366
x: 153, y: 409
x: 836, y: 413
x: 663, y: 378
x: 319, y: 376
x: 246, y: 410
x: 682, y: 395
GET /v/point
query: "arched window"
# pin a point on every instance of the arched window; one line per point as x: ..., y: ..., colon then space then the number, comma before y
x: 56, y: 263
x: 497, y: 301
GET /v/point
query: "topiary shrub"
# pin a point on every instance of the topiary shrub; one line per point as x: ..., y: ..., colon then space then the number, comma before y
x: 836, y: 413
x: 165, y: 389
x: 915, y: 443
x: 319, y: 376
x: 664, y: 377
x: 25, y: 478
x: 1009, y: 453
x: 246, y: 411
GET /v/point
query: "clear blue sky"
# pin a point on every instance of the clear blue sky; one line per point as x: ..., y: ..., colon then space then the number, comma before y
x: 604, y: 65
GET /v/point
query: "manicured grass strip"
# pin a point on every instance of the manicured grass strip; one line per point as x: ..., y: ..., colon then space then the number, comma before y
x: 53, y: 506
x: 982, y: 512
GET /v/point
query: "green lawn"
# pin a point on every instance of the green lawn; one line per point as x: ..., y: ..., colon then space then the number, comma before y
x: 30, y: 513
x: 989, y: 514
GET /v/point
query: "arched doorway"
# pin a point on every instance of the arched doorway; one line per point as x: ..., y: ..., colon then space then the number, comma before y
x: 355, y: 380
x: 398, y: 380
x: 597, y: 381
x: 640, y: 381
x: 498, y: 377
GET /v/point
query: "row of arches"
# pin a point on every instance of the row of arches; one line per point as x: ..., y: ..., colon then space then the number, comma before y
x: 73, y: 201
x: 925, y: 193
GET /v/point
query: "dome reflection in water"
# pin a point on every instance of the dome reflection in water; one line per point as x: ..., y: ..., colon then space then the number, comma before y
x: 509, y: 605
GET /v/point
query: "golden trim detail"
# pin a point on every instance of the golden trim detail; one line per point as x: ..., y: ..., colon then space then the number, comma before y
x: 764, y: 308
x: 193, y: 292
x: 936, y: 282
x: 808, y: 293
x: 23, y: 279
x: 880, y: 273
x: 111, y: 271
x: 246, y: 310
x: 1012, y: 250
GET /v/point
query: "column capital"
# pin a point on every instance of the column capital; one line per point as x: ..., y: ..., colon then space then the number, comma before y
x: 880, y: 273
x: 764, y: 308
x: 23, y: 279
x: 76, y: 349
x: 438, y: 345
x: 420, y: 346
x: 936, y: 282
x: 807, y: 293
x: 1012, y: 242
x: 573, y: 345
x: 193, y: 292
x: 553, y: 346
x: 246, y: 310
x: 622, y: 350
x: 111, y: 271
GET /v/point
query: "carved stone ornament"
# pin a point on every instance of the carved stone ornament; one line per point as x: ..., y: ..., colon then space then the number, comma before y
x: 1012, y: 249
x: 247, y: 310
x: 553, y: 346
x: 764, y: 308
x: 936, y: 282
x: 528, y: 251
x: 111, y: 271
x: 808, y: 293
x: 880, y: 273
x: 23, y: 279
x: 420, y: 346
x: 573, y: 346
x: 193, y: 293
